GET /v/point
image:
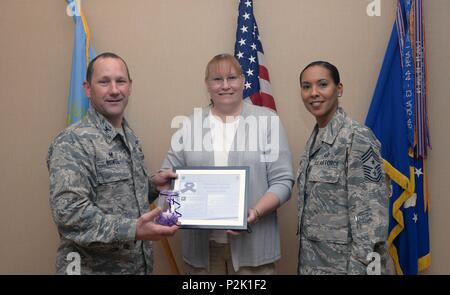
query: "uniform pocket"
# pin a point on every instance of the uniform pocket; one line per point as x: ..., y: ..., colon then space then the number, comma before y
x: 113, y: 173
x: 325, y: 245
x: 328, y: 228
x: 324, y: 174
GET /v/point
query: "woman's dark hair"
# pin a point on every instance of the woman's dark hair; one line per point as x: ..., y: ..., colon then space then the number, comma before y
x: 334, y: 73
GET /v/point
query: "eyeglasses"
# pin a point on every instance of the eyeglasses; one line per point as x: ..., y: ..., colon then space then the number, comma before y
x: 219, y: 81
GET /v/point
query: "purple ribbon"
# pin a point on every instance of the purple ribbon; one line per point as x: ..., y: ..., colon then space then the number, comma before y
x: 170, y: 216
x: 188, y: 186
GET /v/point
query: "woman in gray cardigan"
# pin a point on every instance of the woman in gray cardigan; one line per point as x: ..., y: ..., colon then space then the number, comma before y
x: 240, y: 134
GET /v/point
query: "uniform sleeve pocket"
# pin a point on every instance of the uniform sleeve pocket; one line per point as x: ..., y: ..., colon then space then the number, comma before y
x: 113, y: 173
x: 324, y: 174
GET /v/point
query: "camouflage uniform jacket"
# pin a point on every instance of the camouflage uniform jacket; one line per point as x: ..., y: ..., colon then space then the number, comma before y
x: 99, y: 186
x: 343, y: 199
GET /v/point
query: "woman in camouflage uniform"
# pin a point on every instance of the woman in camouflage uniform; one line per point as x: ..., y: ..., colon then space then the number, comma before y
x: 343, y: 200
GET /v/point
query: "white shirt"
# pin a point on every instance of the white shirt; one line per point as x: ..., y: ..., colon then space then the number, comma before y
x: 222, y: 136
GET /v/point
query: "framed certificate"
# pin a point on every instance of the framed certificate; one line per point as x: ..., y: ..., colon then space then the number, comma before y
x: 212, y: 197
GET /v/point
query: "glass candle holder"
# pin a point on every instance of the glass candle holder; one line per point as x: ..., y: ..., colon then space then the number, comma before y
x: 169, y: 203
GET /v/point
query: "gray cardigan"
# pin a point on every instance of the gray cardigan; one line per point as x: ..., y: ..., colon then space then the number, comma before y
x: 270, y: 171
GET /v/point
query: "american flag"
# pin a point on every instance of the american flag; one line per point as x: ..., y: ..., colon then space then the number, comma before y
x: 249, y: 52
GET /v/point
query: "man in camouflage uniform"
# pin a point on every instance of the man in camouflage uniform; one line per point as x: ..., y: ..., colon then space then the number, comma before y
x: 99, y: 184
x: 343, y: 199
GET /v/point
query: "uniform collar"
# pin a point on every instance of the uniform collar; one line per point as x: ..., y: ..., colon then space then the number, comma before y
x: 333, y: 127
x: 105, y: 127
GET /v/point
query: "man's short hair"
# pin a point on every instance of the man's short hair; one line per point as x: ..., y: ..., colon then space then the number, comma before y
x: 90, y: 68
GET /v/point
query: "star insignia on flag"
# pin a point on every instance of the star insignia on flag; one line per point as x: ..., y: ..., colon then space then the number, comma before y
x: 248, y: 50
x: 415, y: 218
x: 418, y: 171
x: 410, y: 202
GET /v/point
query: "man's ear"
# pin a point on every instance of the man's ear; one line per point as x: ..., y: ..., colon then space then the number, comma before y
x: 87, y: 88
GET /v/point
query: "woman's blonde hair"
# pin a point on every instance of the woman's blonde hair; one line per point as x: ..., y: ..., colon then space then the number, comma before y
x: 221, y: 61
